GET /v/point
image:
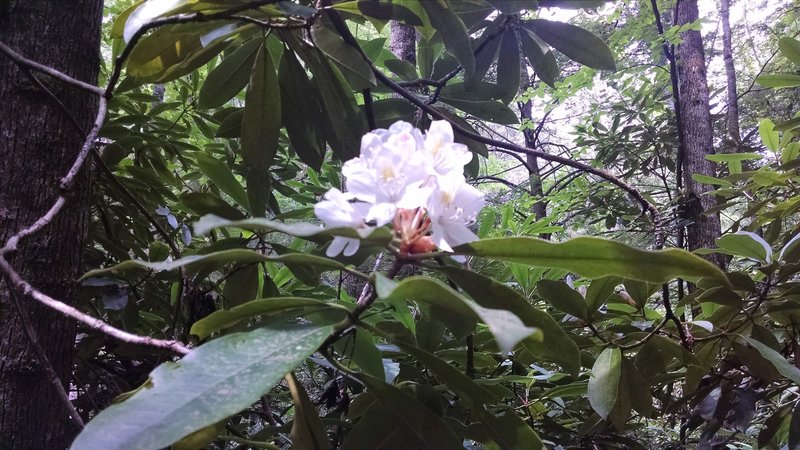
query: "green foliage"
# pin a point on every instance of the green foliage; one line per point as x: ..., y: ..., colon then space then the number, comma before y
x: 584, y: 341
x: 211, y: 383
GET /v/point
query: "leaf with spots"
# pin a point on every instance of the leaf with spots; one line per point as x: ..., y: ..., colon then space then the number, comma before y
x: 214, y: 381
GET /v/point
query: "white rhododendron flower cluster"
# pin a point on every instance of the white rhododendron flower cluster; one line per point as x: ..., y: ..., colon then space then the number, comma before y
x: 414, y: 181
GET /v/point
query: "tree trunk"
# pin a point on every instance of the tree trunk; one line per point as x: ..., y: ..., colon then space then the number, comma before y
x: 703, y: 230
x: 732, y: 114
x: 532, y: 162
x: 403, y: 42
x: 38, y: 144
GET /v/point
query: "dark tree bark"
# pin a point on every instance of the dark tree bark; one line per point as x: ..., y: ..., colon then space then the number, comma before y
x: 732, y: 114
x: 38, y: 144
x: 703, y: 230
x: 531, y: 141
x: 403, y: 42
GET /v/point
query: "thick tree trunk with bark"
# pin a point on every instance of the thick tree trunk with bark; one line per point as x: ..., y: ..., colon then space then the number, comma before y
x: 703, y: 230
x: 732, y: 114
x: 38, y: 144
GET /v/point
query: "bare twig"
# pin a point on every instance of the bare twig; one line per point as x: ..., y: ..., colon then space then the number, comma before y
x: 66, y: 184
x: 649, y: 335
x: 27, y: 290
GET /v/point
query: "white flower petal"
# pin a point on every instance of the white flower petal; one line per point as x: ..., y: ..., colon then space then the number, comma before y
x: 337, y: 245
x: 351, y: 247
x: 381, y: 213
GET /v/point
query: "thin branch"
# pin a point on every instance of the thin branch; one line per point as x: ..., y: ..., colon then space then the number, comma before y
x: 363, y: 304
x: 493, y: 179
x: 649, y: 335
x: 66, y: 183
x: 45, y: 362
x: 25, y: 62
x: 368, y: 109
x: 27, y: 290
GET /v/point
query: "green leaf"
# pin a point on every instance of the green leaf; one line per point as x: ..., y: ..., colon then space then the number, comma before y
x: 577, y: 389
x: 633, y: 386
x: 359, y: 347
x: 404, y: 69
x: 508, y: 68
x: 332, y: 45
x: 790, y: 124
x: 563, y: 298
x: 794, y: 428
x: 258, y: 192
x: 219, y: 320
x: 728, y: 157
x: 453, y: 33
x: 229, y: 77
x: 539, y: 55
x: 425, y: 54
x: 204, y: 203
x: 598, y: 293
x: 301, y: 110
x: 771, y: 426
x: 508, y: 430
x: 513, y: 6
x: 706, y: 179
x: 221, y: 175
x: 241, y: 286
x: 747, y: 244
x: 389, y: 110
x: 307, y: 430
x: 779, y: 80
x: 231, y: 126
x: 595, y: 257
x: 507, y: 328
x: 261, y: 120
x: 770, y: 137
x: 721, y: 295
x: 578, y: 44
x: 419, y: 426
x: 376, y: 236
x: 213, y: 260
x: 489, y: 44
x: 343, y: 123
x: 640, y: 291
x: 783, y: 366
x: 790, y: 48
x: 214, y: 381
x: 491, y: 110
x: 604, y: 381
x: 389, y: 11
x: 475, y: 91
x: 555, y: 346
x: 455, y: 380
x: 163, y: 48
x: 376, y: 428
